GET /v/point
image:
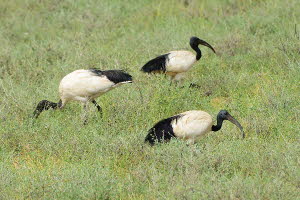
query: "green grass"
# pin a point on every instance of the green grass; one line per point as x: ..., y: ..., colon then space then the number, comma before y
x: 255, y: 76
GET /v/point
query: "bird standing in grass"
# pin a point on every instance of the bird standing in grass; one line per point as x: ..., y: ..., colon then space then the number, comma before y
x: 85, y: 86
x: 176, y: 63
x: 189, y: 126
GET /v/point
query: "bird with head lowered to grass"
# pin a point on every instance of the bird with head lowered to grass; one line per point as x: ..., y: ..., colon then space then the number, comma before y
x: 85, y: 86
x: 176, y: 63
x: 190, y: 126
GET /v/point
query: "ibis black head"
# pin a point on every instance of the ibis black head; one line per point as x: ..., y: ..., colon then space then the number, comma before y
x: 45, y: 105
x: 195, y: 41
x: 224, y: 115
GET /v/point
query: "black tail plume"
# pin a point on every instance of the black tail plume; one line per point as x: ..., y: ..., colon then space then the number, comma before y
x: 156, y: 64
x: 116, y: 76
x: 45, y: 105
x: 161, y: 131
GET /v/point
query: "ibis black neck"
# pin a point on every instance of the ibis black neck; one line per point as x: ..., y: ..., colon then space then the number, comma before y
x: 198, y: 51
x: 218, y: 126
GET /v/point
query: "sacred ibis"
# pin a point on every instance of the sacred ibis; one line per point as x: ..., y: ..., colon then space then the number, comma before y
x: 85, y: 86
x: 190, y: 126
x: 176, y: 63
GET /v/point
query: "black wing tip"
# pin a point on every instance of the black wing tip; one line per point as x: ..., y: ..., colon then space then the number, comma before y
x: 146, y: 69
x: 127, y: 75
x: 156, y: 64
x: 115, y: 75
x: 162, y: 131
x: 149, y: 140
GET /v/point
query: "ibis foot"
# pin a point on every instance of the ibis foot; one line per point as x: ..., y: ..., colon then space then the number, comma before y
x: 194, y: 85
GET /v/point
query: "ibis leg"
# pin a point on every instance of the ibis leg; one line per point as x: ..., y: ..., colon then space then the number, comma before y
x: 191, y: 141
x: 194, y: 85
x: 85, y: 114
x: 97, y: 106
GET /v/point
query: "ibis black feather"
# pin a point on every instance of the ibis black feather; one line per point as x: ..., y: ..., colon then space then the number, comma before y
x: 156, y: 64
x: 116, y: 76
x: 161, y: 131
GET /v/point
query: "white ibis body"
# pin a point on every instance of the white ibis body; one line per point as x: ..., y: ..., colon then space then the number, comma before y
x: 176, y: 63
x: 190, y: 125
x: 84, y: 86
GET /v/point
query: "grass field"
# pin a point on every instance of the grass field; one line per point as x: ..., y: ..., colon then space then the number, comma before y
x: 255, y: 76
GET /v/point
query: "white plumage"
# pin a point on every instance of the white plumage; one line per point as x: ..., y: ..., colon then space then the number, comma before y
x: 84, y: 86
x: 190, y: 126
x: 176, y: 63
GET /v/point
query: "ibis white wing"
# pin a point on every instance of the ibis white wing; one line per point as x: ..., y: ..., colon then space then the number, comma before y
x: 180, y: 61
x: 83, y: 84
x: 192, y: 124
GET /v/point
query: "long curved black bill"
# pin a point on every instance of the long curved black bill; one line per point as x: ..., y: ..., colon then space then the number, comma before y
x: 234, y: 121
x: 206, y: 44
